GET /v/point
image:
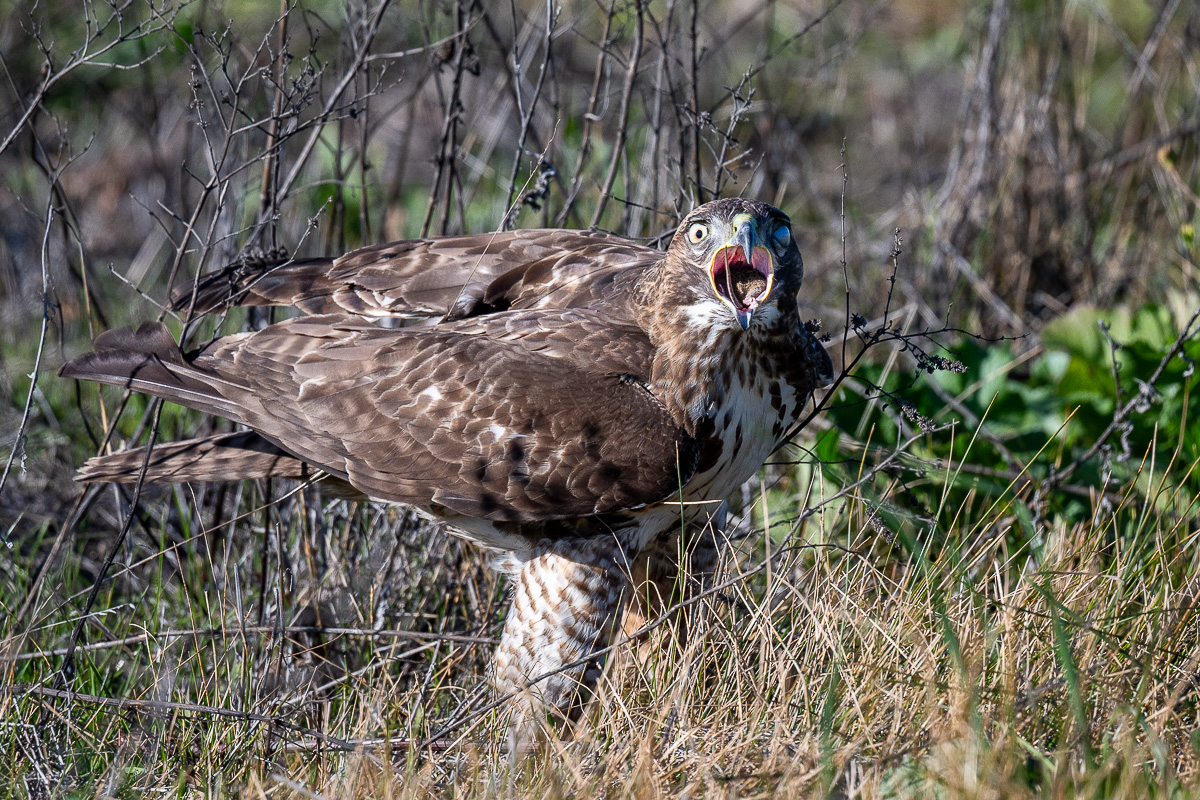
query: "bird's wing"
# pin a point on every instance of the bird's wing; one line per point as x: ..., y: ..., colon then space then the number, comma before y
x: 451, y: 277
x: 509, y: 427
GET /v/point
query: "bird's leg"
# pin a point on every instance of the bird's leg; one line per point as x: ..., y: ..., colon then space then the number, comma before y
x: 566, y: 597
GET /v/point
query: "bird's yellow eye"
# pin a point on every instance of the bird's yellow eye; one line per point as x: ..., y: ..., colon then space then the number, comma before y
x: 782, y: 236
x: 697, y: 233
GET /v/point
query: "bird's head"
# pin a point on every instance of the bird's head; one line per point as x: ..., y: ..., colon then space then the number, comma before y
x: 749, y: 266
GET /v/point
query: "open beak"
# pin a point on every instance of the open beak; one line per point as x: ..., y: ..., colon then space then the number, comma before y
x: 743, y: 271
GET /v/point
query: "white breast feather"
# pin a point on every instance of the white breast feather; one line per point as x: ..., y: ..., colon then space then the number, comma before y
x: 750, y: 406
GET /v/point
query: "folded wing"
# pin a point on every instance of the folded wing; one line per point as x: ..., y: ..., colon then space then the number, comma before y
x: 434, y: 278
x: 503, y: 427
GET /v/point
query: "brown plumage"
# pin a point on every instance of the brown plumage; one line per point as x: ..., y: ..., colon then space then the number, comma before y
x: 436, y: 279
x: 551, y: 395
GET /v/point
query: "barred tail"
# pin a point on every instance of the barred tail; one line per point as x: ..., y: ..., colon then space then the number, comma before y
x: 224, y: 457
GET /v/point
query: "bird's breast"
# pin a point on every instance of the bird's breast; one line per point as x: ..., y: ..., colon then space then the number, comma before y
x: 750, y: 415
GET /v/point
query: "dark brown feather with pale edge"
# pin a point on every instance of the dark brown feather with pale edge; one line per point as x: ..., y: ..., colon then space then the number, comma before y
x: 434, y: 416
x: 452, y: 277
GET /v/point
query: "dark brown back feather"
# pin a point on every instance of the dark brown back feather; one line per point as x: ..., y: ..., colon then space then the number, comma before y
x: 519, y: 416
x: 452, y: 277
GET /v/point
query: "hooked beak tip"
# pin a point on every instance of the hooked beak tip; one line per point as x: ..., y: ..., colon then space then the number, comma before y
x: 745, y: 239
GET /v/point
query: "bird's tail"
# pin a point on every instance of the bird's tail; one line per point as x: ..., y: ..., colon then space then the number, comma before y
x: 148, y: 360
x: 224, y: 457
x: 271, y: 280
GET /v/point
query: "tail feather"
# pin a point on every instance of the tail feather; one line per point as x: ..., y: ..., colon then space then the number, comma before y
x: 262, y: 282
x: 243, y: 455
x: 307, y: 285
x: 148, y: 360
x: 227, y: 456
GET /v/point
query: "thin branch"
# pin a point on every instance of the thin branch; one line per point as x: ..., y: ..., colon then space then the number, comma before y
x: 47, y: 305
x: 623, y: 128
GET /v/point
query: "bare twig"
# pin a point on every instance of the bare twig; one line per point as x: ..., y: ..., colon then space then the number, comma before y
x: 590, y: 117
x: 47, y: 305
x: 631, y: 71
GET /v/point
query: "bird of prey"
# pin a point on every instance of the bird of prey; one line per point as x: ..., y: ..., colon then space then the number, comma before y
x: 579, y: 403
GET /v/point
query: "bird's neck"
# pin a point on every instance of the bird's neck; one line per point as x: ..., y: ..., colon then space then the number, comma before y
x: 689, y: 378
x: 700, y: 358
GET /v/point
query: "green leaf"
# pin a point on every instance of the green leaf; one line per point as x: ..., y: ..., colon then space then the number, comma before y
x: 1078, y: 333
x: 827, y: 445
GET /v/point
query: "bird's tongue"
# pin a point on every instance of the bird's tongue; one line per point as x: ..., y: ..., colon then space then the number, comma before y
x: 747, y: 285
x: 738, y: 280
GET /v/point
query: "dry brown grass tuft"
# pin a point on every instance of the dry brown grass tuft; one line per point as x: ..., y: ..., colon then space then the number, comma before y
x: 842, y: 669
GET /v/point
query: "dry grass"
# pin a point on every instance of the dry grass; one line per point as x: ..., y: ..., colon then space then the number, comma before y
x: 842, y: 668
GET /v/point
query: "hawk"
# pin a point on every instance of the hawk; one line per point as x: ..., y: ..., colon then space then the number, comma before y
x: 576, y: 402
